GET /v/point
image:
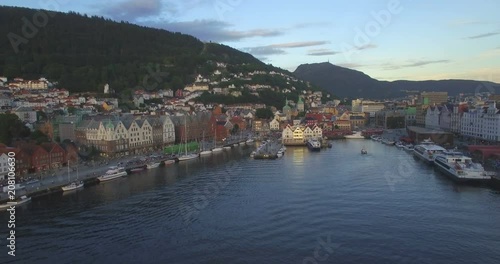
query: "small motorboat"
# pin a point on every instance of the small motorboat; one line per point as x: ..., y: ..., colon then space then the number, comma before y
x: 168, y: 162
x: 363, y: 151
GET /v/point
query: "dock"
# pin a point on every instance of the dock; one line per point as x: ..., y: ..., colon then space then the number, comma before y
x: 268, y: 150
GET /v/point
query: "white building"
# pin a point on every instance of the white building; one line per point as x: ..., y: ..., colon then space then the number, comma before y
x: 432, y: 117
x: 298, y: 135
x: 483, y: 123
x: 274, y: 125
x: 168, y: 130
x: 26, y: 114
x: 4, y: 168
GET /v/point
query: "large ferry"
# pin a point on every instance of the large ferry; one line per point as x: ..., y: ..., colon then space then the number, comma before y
x: 427, y: 151
x: 114, y: 172
x: 314, y: 144
x: 460, y: 167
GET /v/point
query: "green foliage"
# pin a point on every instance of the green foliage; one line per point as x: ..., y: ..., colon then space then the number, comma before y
x: 39, y: 137
x: 84, y: 53
x: 235, y: 130
x: 12, y: 127
x: 72, y: 110
x: 40, y: 115
x: 264, y: 113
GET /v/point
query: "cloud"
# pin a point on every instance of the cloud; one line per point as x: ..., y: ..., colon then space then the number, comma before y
x: 264, y: 50
x: 367, y: 46
x: 419, y: 63
x: 131, y: 10
x: 485, y: 35
x: 276, y: 49
x: 350, y: 65
x: 321, y: 52
x: 298, y: 44
x: 425, y: 62
x: 213, y: 30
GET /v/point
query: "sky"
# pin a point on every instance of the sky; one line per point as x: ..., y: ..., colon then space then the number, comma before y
x: 386, y: 39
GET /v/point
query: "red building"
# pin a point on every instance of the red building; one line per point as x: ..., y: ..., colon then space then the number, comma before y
x: 34, y: 157
x: 56, y: 154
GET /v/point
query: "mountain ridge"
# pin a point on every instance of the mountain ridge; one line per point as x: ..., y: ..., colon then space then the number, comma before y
x: 345, y: 82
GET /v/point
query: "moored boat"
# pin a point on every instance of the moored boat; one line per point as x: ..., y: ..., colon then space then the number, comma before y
x: 408, y: 147
x: 218, y: 149
x: 356, y: 135
x: 168, y: 162
x: 152, y: 165
x: 188, y: 156
x: 113, y: 172
x: 314, y: 144
x: 427, y: 151
x: 73, y: 186
x: 249, y: 141
x: 205, y: 153
x: 138, y: 169
x: 459, y: 167
x: 22, y: 200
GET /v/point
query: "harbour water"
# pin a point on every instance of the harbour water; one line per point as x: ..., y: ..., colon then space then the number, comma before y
x: 333, y: 206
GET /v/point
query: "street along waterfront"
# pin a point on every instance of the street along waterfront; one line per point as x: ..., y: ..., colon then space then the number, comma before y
x: 383, y: 207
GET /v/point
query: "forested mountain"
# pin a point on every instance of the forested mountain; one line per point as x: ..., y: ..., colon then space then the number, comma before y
x: 84, y: 53
x: 345, y: 82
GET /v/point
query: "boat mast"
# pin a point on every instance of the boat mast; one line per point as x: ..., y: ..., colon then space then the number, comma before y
x: 185, y: 135
x: 68, y: 172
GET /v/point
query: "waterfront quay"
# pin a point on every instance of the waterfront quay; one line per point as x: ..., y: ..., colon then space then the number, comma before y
x: 88, y: 174
x: 268, y: 150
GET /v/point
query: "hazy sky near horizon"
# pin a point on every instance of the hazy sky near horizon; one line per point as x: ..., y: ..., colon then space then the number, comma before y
x: 386, y: 39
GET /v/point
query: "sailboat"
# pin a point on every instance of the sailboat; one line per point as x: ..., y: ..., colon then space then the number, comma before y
x: 186, y: 156
x: 203, y: 151
x: 216, y: 149
x: 73, y: 185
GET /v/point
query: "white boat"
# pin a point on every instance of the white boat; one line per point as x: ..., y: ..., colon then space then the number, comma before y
x: 252, y: 154
x: 374, y: 137
x: 249, y: 141
x: 73, y: 186
x: 279, y: 154
x: 114, y: 172
x: 205, y: 153
x: 427, y: 151
x: 168, y: 162
x: 314, y: 144
x: 388, y: 142
x: 459, y: 167
x: 242, y: 143
x: 218, y: 149
x: 22, y: 200
x: 186, y: 155
x: 399, y: 144
x: 235, y: 144
x: 227, y: 148
x: 152, y: 165
x: 408, y: 147
x: 356, y: 135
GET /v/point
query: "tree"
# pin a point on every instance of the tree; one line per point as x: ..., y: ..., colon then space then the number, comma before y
x: 264, y: 113
x: 71, y: 110
x: 12, y: 127
x: 235, y: 130
x: 40, y: 115
x: 39, y: 137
